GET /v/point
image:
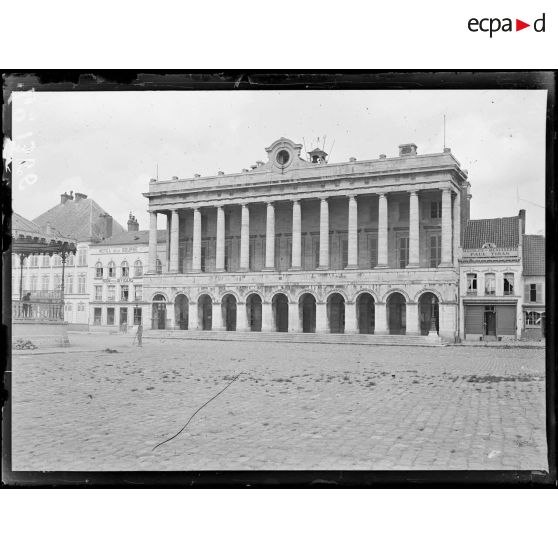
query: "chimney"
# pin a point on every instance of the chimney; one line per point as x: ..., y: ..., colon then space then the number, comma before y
x: 65, y: 197
x: 105, y: 225
x: 407, y: 149
x: 522, y: 221
x: 133, y: 224
x: 80, y: 196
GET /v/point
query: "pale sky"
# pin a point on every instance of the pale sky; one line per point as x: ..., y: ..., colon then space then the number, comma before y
x: 108, y: 144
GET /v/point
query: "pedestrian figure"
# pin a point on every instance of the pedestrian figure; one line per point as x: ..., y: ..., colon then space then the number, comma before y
x: 139, y: 333
x: 26, y: 305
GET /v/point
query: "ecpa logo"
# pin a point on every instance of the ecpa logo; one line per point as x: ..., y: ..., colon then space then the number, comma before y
x: 494, y: 24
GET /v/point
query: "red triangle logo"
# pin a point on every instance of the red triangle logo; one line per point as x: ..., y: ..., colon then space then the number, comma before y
x: 519, y: 25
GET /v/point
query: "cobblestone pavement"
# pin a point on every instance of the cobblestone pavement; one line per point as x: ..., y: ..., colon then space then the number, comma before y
x: 295, y: 406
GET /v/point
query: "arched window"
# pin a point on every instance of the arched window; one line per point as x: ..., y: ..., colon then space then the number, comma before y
x: 57, y: 260
x: 111, y: 270
x: 46, y: 260
x: 98, y: 270
x: 125, y: 269
x: 158, y: 266
x: 138, y: 268
x: 533, y: 319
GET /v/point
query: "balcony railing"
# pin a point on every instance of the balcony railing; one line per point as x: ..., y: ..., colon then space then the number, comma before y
x: 37, y: 311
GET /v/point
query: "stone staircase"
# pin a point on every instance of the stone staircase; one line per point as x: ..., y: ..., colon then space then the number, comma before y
x: 266, y: 337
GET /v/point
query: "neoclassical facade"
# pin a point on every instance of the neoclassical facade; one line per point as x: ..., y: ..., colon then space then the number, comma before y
x: 305, y: 245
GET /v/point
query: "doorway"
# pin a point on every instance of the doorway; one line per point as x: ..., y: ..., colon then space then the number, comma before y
x: 205, y: 312
x: 280, y: 309
x: 229, y: 312
x: 489, y: 323
x: 181, y: 311
x: 159, y: 312
x: 397, y: 314
x: 254, y: 312
x: 336, y: 313
x: 428, y: 306
x: 307, y: 308
x: 366, y: 313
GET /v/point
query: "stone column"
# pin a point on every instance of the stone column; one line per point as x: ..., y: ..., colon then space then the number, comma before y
x: 321, y: 318
x: 414, y: 227
x: 193, y: 315
x: 220, y: 240
x: 267, y: 317
x: 446, y: 228
x: 297, y: 238
x: 382, y: 231
x: 245, y: 239
x: 270, y: 238
x: 380, y: 319
x: 456, y: 227
x: 241, y: 317
x: 294, y: 318
x: 217, y: 317
x: 196, y: 242
x: 352, y: 242
x: 152, y: 250
x: 173, y: 264
x: 324, y: 235
x: 412, y: 327
x: 168, y: 242
x: 350, y: 318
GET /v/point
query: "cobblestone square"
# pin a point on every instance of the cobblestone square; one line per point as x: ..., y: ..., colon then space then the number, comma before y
x: 294, y: 406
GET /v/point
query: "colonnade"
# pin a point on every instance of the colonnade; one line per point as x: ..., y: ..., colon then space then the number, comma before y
x: 450, y: 225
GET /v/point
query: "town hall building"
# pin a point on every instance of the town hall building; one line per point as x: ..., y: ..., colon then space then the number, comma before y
x: 301, y: 244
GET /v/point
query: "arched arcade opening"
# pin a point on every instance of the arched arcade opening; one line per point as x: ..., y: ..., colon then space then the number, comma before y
x: 336, y: 313
x: 254, y: 312
x: 228, y: 308
x: 428, y: 308
x: 181, y: 311
x: 365, y: 313
x: 280, y: 309
x: 307, y: 312
x: 205, y: 312
x: 396, y: 314
x: 159, y: 312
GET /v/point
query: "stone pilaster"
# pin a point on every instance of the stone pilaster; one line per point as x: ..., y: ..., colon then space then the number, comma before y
x: 352, y: 240
x: 297, y: 236
x: 217, y: 317
x: 196, y: 242
x: 267, y: 317
x: 192, y: 315
x: 324, y: 234
x: 382, y: 231
x: 152, y: 250
x: 414, y: 227
x: 174, y: 235
x: 411, y: 315
x: 380, y: 319
x: 321, y: 318
x: 446, y: 228
x: 294, y: 318
x: 456, y: 227
x: 241, y: 317
x: 270, y: 238
x: 220, y: 241
x: 245, y: 239
x: 350, y: 318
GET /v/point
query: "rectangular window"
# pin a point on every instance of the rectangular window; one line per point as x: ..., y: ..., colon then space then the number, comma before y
x: 533, y: 292
x: 46, y: 261
x: 403, y: 211
x: 228, y: 248
x: 33, y: 286
x: 252, y: 254
x: 373, y: 250
x: 204, y: 225
x: 316, y: 251
x: 125, y: 270
x: 69, y: 284
x: 472, y: 283
x: 97, y: 312
x: 82, y: 278
x: 508, y: 283
x: 45, y: 281
x: 99, y: 271
x: 403, y: 250
x: 138, y: 294
x: 203, y: 257
x: 111, y: 292
x: 344, y: 253
x: 436, y: 210
x: 98, y: 292
x: 124, y: 292
x: 490, y: 284
x: 57, y: 282
x: 110, y: 316
x: 137, y: 316
x: 435, y: 250
x: 82, y: 256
